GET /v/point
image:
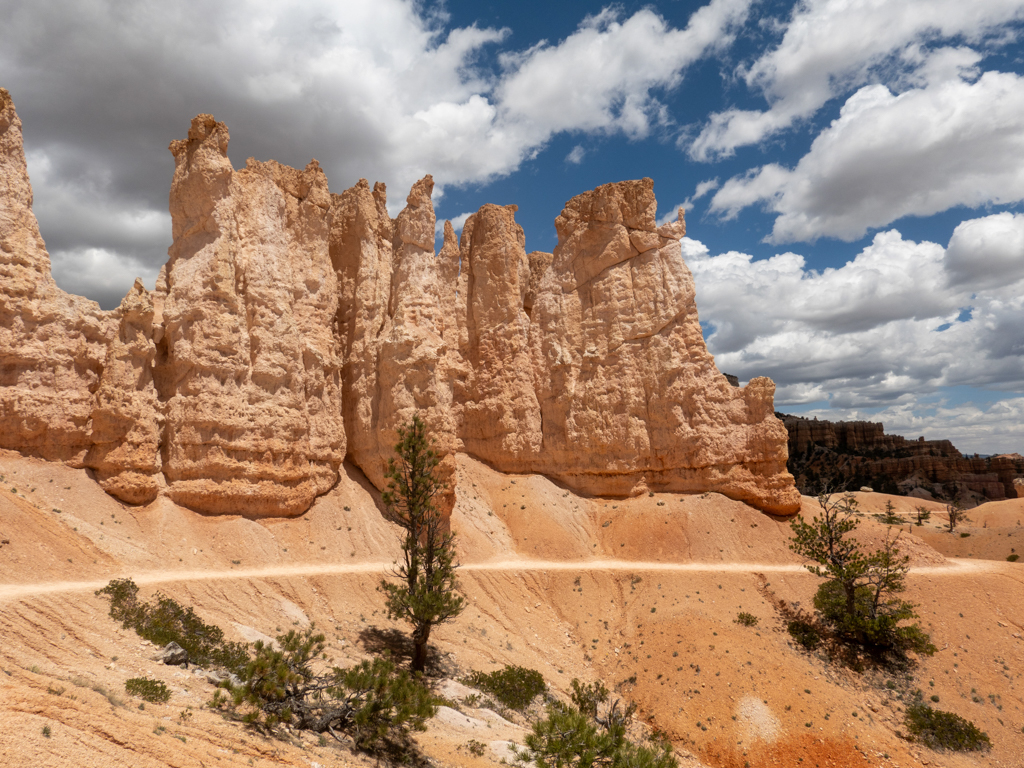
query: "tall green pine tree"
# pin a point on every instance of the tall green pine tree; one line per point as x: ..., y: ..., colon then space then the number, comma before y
x: 426, y: 594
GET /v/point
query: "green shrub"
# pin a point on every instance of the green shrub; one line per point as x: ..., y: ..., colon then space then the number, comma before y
x: 746, y: 619
x: 164, y: 621
x: 805, y: 633
x: 514, y: 687
x: 945, y: 730
x: 1012, y: 558
x: 889, y: 516
x: 869, y: 626
x: 591, y: 733
x: 373, y: 702
x: 153, y: 691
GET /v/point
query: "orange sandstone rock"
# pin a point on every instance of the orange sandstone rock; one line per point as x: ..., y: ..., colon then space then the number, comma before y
x: 250, y: 365
x: 52, y: 344
x: 292, y: 327
x: 127, y: 419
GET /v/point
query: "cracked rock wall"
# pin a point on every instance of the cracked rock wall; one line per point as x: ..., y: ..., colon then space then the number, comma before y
x: 292, y: 329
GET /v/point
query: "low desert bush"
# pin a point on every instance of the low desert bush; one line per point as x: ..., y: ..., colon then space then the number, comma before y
x: 945, y: 730
x: 805, y: 633
x: 513, y: 687
x: 163, y: 621
x: 746, y: 619
x: 590, y: 732
x: 153, y: 691
x: 373, y: 702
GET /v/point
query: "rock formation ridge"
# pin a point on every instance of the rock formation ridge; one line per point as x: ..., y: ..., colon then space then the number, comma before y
x: 293, y: 328
x: 855, y: 453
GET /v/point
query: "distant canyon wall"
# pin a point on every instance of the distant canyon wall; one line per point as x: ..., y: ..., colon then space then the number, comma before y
x: 854, y: 453
x: 292, y: 328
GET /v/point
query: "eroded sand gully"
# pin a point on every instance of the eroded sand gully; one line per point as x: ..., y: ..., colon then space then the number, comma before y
x: 641, y: 593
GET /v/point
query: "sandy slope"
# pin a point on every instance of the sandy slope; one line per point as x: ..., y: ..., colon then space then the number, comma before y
x: 641, y: 593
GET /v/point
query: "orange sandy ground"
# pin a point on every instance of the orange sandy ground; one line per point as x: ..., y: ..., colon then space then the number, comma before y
x: 640, y: 593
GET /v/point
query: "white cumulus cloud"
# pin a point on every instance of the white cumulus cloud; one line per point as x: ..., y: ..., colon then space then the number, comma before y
x: 892, y: 155
x: 384, y: 90
x: 832, y: 46
x: 892, y: 327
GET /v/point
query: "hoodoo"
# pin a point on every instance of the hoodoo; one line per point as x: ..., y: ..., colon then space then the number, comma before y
x: 292, y: 328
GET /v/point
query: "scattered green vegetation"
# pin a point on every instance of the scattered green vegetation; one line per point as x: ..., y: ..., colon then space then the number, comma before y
x: 805, y: 633
x: 944, y: 730
x: 373, y: 702
x: 746, y: 619
x: 955, y: 512
x: 163, y: 621
x: 153, y: 691
x: 923, y: 515
x: 889, y: 516
x: 1012, y: 558
x: 590, y: 732
x: 513, y: 687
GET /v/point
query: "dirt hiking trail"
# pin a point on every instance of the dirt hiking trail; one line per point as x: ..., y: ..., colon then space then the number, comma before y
x: 955, y: 567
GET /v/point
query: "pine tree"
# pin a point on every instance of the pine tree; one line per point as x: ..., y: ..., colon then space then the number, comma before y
x: 426, y: 594
x: 860, y: 597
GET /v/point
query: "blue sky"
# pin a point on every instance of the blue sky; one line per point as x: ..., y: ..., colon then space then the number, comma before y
x: 852, y: 170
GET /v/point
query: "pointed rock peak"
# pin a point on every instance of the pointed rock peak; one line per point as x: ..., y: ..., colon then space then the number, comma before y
x: 161, y: 280
x: 10, y: 129
x: 380, y: 197
x: 7, y: 113
x: 421, y: 192
x: 674, y: 229
x: 205, y: 131
x: 137, y: 303
x: 449, y: 236
x: 415, y: 224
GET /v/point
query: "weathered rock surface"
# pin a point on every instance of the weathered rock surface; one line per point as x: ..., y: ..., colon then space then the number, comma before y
x: 52, y: 344
x: 850, y: 453
x: 587, y: 365
x: 250, y: 370
x: 127, y: 420
x: 630, y: 397
x: 291, y: 328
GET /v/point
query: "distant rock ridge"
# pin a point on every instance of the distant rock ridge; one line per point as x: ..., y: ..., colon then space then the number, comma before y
x: 856, y: 453
x: 293, y: 328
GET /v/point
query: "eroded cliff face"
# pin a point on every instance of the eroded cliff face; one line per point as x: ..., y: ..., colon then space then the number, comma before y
x: 851, y: 454
x: 250, y: 367
x: 292, y: 328
x: 52, y: 345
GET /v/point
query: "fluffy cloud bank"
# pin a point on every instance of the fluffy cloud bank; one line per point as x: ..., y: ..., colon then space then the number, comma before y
x: 832, y: 46
x: 381, y: 89
x: 888, y: 156
x: 901, y: 318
